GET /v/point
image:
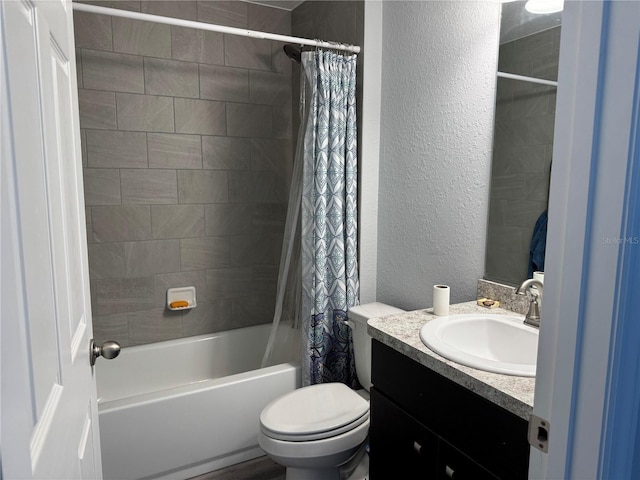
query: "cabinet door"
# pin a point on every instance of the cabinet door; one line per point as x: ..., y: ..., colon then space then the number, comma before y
x: 400, y: 446
x: 455, y: 465
x: 492, y: 436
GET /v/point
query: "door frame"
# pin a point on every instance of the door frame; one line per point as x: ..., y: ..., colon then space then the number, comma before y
x: 593, y: 157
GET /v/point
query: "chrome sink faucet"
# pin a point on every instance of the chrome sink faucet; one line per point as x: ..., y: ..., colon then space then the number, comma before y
x: 533, y: 315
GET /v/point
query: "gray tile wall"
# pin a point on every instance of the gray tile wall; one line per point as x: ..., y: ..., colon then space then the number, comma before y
x: 522, y: 149
x: 336, y: 21
x: 187, y: 143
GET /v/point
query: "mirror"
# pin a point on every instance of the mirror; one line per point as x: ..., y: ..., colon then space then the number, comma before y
x: 522, y: 144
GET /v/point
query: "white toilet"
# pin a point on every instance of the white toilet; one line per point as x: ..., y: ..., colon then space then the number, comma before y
x: 315, y: 430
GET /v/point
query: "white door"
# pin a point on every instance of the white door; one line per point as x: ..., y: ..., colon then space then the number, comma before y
x: 48, y: 400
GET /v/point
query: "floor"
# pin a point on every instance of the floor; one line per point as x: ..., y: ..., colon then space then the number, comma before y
x: 261, y: 468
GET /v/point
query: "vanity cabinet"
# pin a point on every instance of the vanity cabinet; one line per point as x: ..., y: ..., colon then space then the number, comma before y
x: 423, y: 425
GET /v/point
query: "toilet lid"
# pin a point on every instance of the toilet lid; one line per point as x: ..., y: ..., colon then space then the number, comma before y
x: 312, y: 411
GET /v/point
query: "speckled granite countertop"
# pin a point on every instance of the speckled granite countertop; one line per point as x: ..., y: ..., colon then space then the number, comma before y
x: 402, y: 333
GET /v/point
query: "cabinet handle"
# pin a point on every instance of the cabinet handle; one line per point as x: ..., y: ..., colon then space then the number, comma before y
x: 449, y: 471
x: 417, y: 447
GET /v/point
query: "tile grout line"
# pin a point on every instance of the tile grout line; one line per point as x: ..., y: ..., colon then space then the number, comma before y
x: 203, y: 207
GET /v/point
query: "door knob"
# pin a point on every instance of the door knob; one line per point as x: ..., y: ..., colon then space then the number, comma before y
x: 108, y: 350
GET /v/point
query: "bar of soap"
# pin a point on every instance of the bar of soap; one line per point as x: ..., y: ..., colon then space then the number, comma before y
x: 179, y: 304
x: 488, y: 303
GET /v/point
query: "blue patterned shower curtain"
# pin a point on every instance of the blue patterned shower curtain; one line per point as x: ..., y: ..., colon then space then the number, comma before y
x: 329, y: 218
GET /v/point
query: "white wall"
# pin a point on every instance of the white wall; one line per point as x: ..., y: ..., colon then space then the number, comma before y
x: 439, y: 61
x: 370, y: 151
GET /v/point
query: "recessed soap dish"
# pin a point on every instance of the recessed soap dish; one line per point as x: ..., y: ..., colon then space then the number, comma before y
x: 181, y: 294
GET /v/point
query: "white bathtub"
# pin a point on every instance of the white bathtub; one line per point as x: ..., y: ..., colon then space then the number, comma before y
x: 182, y: 408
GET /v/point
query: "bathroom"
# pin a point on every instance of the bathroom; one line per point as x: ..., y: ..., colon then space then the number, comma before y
x: 411, y: 224
x: 188, y: 139
x: 194, y: 184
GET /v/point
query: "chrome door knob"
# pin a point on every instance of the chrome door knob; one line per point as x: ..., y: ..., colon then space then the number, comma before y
x: 108, y: 350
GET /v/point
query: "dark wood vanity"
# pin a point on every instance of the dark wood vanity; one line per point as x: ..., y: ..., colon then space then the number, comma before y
x: 425, y: 426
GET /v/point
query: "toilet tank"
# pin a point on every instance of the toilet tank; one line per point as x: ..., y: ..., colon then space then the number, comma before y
x: 358, y: 316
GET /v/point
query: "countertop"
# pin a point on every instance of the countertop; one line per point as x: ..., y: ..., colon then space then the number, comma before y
x: 402, y: 333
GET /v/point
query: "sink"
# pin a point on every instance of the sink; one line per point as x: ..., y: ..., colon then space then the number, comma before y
x: 494, y: 343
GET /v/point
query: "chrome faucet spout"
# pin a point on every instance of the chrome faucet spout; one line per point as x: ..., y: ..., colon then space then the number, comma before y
x: 530, y: 282
x: 533, y: 315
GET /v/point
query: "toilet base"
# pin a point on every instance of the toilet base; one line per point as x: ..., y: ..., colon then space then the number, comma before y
x: 357, y: 468
x: 313, y: 474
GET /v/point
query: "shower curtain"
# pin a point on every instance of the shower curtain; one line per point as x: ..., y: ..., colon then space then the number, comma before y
x: 287, y: 312
x: 319, y: 251
x: 329, y: 218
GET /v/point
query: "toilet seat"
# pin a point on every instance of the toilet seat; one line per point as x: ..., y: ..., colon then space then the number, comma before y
x: 316, y: 436
x: 313, y: 413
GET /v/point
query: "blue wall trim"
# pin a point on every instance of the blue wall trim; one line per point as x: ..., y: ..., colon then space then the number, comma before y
x: 619, y: 455
x: 588, y: 236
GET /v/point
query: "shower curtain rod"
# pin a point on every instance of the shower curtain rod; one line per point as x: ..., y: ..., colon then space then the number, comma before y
x: 528, y: 79
x: 81, y: 7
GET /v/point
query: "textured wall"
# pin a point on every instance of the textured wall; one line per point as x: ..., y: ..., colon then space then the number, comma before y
x: 522, y: 149
x: 187, y: 155
x: 438, y: 94
x: 369, y: 172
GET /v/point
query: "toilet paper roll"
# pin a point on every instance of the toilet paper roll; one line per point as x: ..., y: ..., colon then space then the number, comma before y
x: 441, y: 295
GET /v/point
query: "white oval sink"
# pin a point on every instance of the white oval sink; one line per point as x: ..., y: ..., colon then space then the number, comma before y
x: 494, y: 343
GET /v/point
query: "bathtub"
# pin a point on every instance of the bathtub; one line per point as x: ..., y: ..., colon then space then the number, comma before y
x: 181, y: 408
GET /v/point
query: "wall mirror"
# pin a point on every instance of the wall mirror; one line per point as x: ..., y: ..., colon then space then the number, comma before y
x: 523, y: 141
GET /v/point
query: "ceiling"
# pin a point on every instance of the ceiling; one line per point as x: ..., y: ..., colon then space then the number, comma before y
x: 517, y: 22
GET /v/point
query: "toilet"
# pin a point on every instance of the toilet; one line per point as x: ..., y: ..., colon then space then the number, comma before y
x: 316, y: 431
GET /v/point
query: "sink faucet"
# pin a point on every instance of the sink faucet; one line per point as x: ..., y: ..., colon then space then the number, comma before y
x: 533, y: 315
